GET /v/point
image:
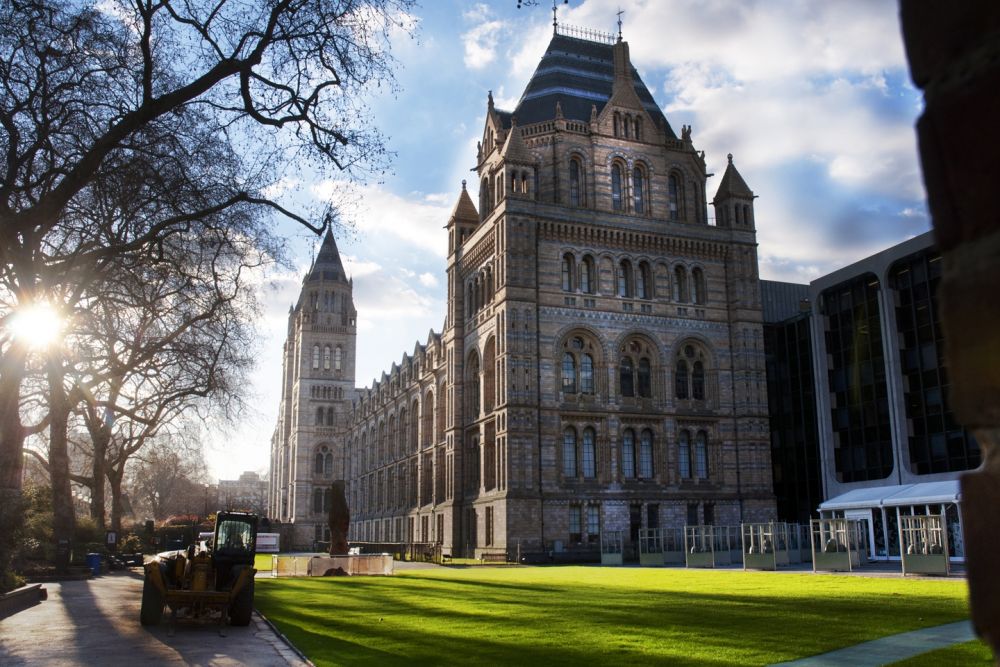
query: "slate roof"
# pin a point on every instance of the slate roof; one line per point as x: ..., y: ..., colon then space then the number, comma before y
x: 327, y: 265
x: 577, y: 73
x: 732, y: 183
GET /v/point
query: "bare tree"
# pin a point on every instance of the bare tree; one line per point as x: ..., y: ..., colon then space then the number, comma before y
x: 84, y: 88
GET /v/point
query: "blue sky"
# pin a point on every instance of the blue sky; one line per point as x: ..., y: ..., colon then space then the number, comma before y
x: 812, y: 98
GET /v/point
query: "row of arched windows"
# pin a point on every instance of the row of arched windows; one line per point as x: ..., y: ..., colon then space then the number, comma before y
x: 323, y: 462
x: 639, y: 188
x: 337, y: 357
x: 630, y: 189
x: 326, y: 391
x: 579, y: 454
x: 627, y: 126
x: 631, y: 281
x: 478, y: 291
x: 322, y: 500
x: 693, y: 456
x: 580, y: 358
x: 324, y: 416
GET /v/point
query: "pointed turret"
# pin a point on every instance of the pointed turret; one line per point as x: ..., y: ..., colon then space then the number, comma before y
x: 327, y: 265
x: 463, y: 220
x: 514, y: 151
x: 733, y: 200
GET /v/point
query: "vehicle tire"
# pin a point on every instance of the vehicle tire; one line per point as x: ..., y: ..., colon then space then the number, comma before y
x: 241, y: 608
x: 151, y: 612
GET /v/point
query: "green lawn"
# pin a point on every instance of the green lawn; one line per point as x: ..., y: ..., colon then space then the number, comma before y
x: 590, y: 615
x: 968, y: 653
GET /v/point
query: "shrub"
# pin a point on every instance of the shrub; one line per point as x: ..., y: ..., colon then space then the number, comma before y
x: 130, y: 544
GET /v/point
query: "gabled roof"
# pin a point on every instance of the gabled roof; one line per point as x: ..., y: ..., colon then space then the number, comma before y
x: 732, y: 184
x: 579, y: 74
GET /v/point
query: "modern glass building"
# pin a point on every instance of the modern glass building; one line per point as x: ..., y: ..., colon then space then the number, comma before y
x: 889, y: 444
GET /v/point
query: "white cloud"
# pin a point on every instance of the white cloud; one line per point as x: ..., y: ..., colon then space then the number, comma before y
x: 480, y: 41
x: 417, y: 219
x: 359, y: 267
x: 428, y: 280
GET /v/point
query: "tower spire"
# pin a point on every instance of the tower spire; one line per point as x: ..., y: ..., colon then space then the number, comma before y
x: 620, y: 12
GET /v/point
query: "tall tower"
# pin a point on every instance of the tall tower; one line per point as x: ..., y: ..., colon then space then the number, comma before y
x: 318, y: 386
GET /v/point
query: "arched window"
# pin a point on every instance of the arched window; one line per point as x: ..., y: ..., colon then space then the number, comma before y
x: 475, y: 402
x: 315, y: 357
x: 738, y: 216
x: 329, y: 416
x: 338, y: 355
x: 697, y: 286
x: 317, y: 501
x: 638, y: 189
x: 326, y: 357
x: 701, y: 455
x: 587, y: 275
x: 624, y: 278
x: 684, y: 454
x: 645, y: 379
x: 485, y: 197
x: 681, y: 379
x: 318, y: 461
x: 569, y: 452
x: 586, y: 374
x: 698, y: 381
x: 628, y: 454
x: 674, y: 190
x: 589, y: 453
x: 617, y: 117
x: 616, y: 187
x: 319, y: 416
x: 644, y: 281
x: 638, y: 128
x: 489, y: 377
x: 568, y: 269
x: 626, y: 377
x: 569, y: 373
x: 646, y: 454
x: 680, y: 285
x: 576, y: 197
x: 577, y: 365
x: 746, y: 215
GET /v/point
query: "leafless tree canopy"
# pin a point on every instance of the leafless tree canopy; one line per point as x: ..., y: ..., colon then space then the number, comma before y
x: 138, y: 140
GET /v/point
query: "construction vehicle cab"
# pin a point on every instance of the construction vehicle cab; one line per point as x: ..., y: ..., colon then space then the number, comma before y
x: 211, y: 576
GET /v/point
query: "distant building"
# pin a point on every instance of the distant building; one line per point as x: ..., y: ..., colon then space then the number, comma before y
x: 317, y: 389
x: 248, y: 493
x: 886, y: 440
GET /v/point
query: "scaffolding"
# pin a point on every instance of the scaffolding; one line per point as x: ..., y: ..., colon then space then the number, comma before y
x: 923, y: 541
x: 699, y: 546
x: 612, y: 545
x: 650, y: 546
x: 673, y: 546
x: 765, y: 545
x: 838, y: 545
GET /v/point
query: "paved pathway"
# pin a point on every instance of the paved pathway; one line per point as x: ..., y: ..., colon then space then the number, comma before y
x: 96, y: 622
x: 891, y: 649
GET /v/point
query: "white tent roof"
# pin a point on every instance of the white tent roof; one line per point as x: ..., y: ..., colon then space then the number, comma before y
x: 923, y: 493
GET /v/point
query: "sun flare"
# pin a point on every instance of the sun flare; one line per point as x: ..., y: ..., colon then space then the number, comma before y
x: 39, y: 326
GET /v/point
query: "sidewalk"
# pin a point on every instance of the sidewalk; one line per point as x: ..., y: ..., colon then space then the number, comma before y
x: 890, y: 649
x: 96, y: 622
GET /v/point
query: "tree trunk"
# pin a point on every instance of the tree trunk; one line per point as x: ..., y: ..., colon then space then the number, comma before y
x: 11, y: 457
x: 115, y: 480
x: 100, y: 437
x: 63, y: 517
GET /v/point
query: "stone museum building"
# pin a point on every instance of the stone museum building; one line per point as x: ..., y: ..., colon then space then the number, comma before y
x: 601, y: 364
